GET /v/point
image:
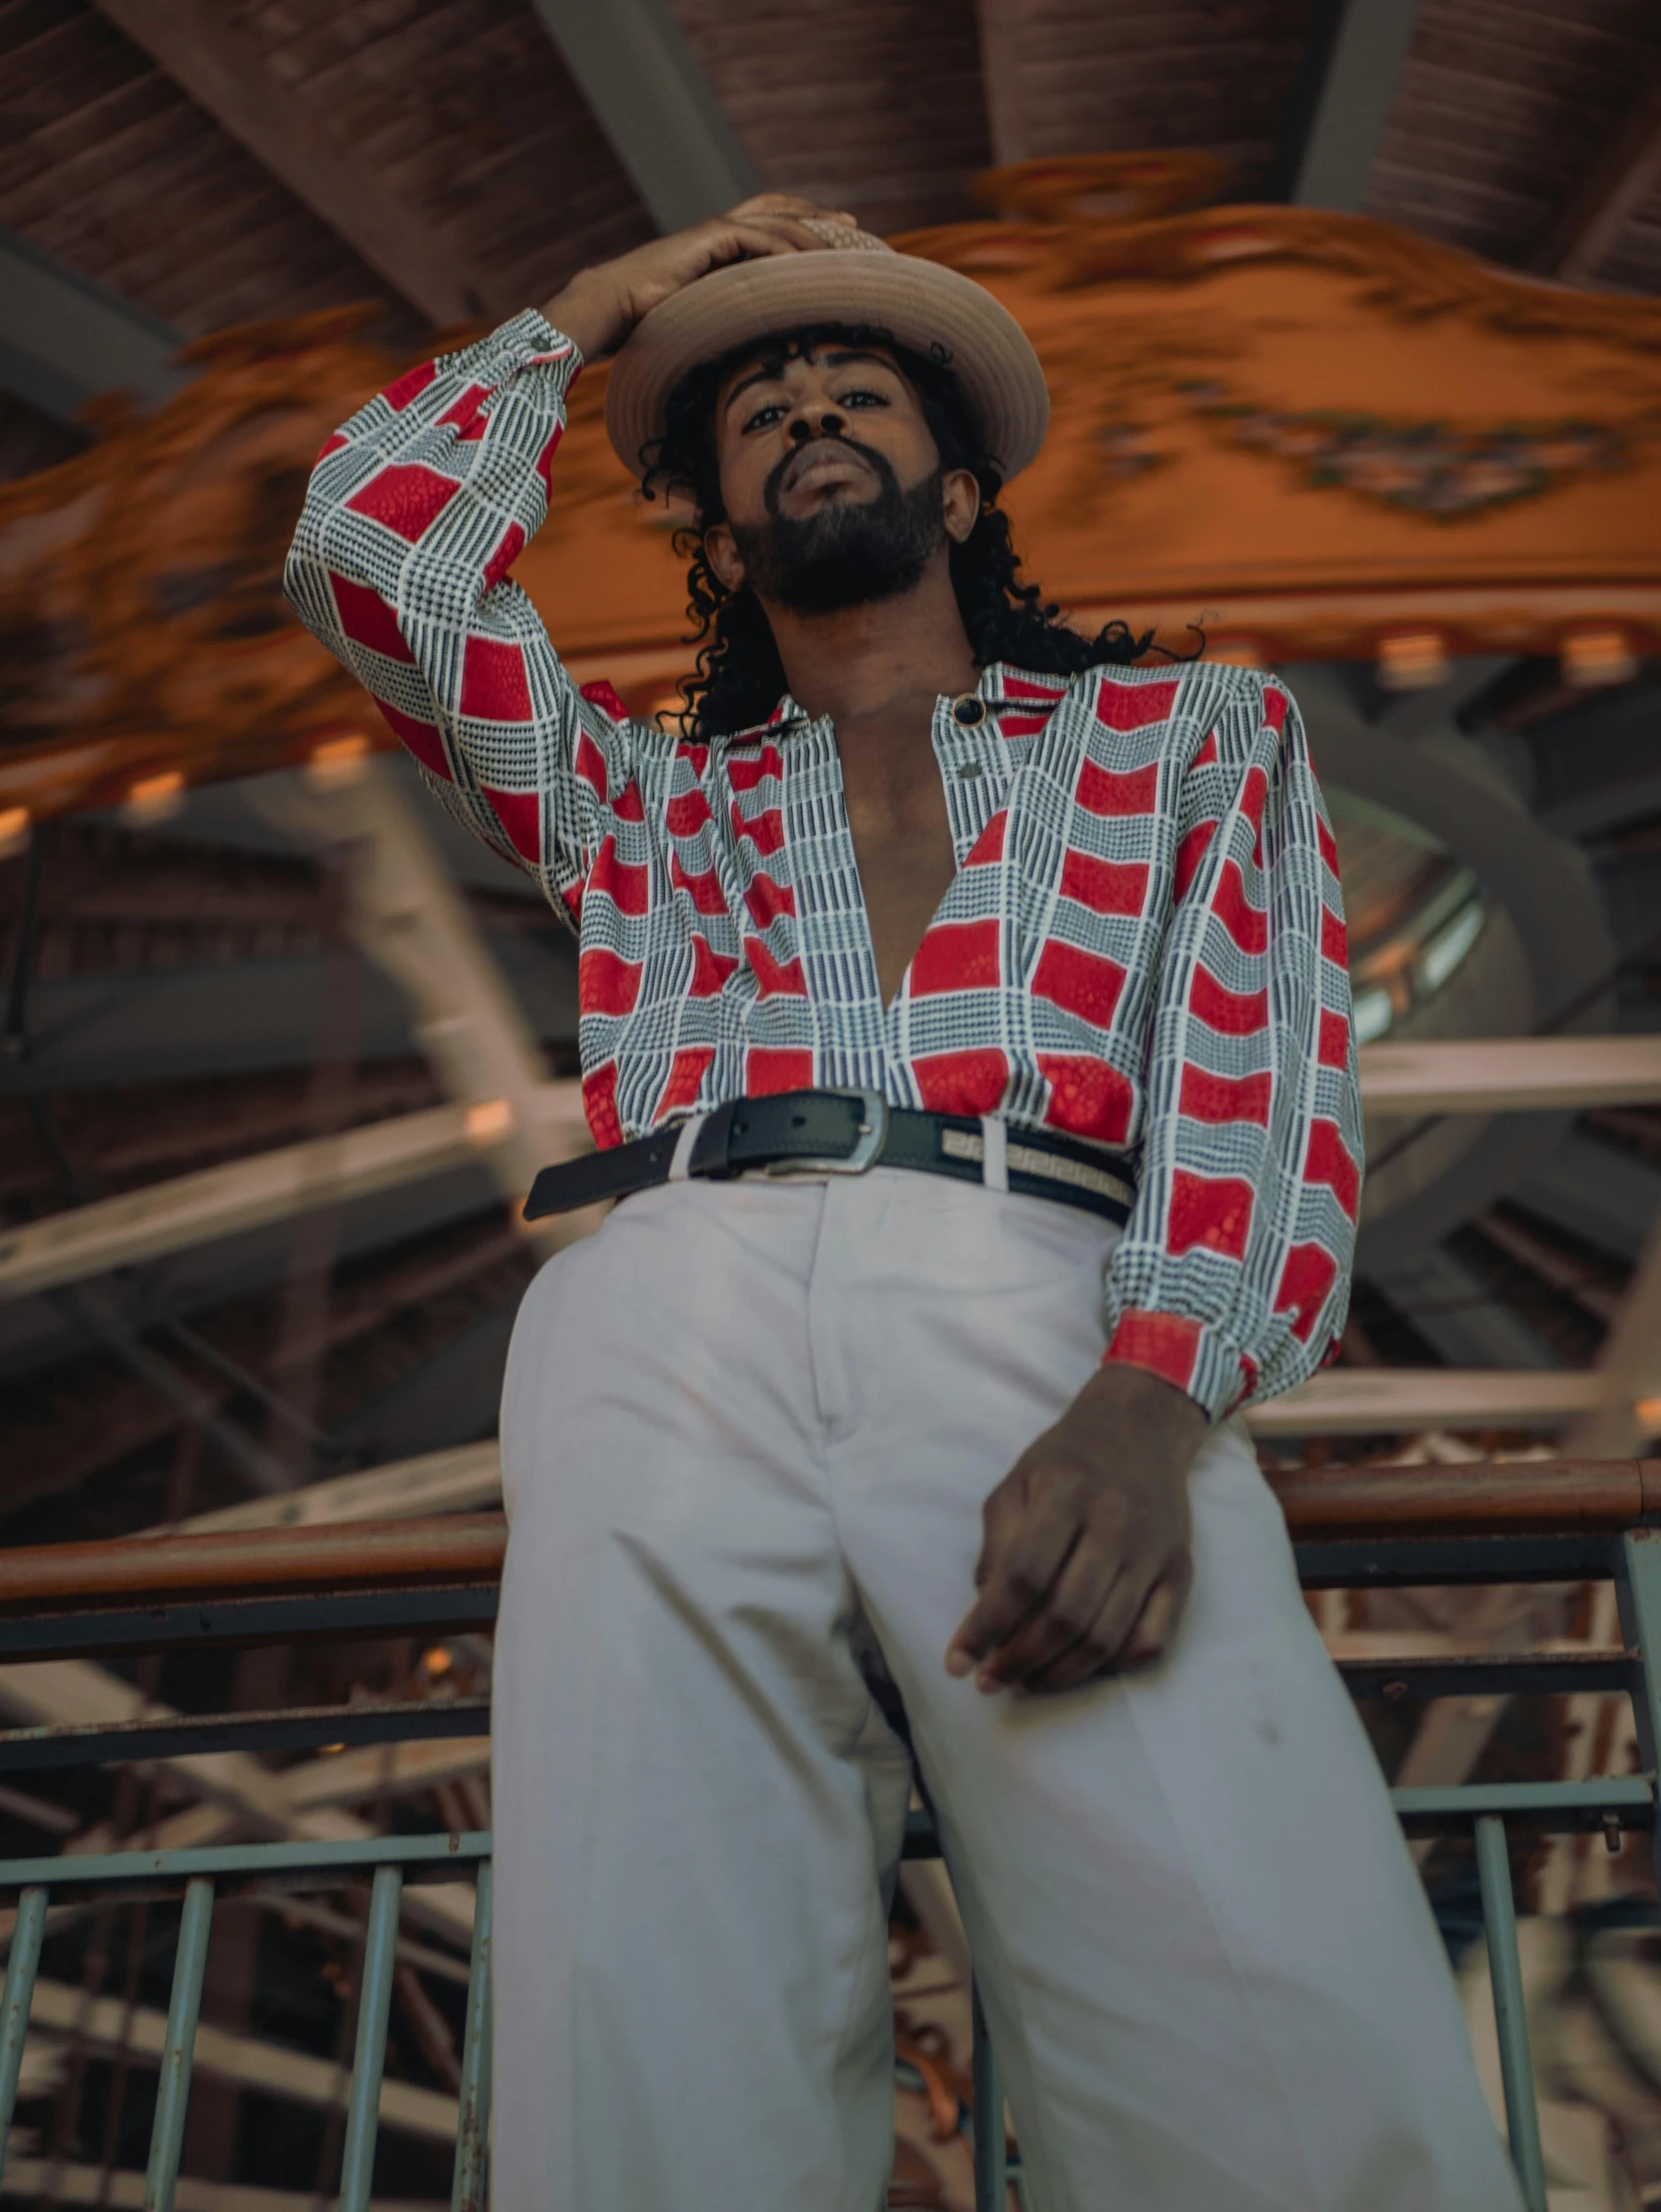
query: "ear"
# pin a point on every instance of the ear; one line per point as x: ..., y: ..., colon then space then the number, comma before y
x: 961, y: 497
x: 721, y: 552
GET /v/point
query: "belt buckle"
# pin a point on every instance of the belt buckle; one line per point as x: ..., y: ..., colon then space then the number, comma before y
x: 873, y: 1135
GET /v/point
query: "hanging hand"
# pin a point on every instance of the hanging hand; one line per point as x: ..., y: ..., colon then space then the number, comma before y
x: 1085, y: 1564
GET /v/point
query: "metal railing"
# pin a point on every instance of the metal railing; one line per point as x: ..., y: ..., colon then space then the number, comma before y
x: 1353, y: 1528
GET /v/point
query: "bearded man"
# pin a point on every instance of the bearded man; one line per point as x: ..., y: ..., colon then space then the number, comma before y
x: 965, y: 1031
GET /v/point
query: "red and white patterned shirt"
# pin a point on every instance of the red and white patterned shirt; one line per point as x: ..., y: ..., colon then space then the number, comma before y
x: 1144, y: 944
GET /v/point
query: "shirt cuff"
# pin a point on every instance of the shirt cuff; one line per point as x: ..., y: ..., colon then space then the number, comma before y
x: 525, y: 341
x: 545, y: 343
x: 1196, y: 1360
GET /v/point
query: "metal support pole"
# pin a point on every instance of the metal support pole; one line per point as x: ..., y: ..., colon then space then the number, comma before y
x: 1638, y: 1591
x: 167, y: 2136
x: 374, y: 2006
x: 990, y: 2174
x: 472, y: 2129
x: 1522, y: 2119
x: 15, y: 2000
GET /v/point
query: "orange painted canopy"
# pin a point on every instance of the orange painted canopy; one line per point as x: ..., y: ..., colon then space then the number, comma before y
x: 1313, y: 434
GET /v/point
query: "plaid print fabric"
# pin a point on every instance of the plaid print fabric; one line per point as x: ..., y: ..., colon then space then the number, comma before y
x: 1144, y: 944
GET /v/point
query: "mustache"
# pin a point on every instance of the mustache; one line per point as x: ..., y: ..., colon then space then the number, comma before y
x: 879, y: 463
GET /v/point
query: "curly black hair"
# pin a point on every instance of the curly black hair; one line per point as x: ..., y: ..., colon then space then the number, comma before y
x: 739, y: 677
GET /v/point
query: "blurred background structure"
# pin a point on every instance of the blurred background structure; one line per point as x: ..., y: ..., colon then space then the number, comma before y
x: 1352, y: 314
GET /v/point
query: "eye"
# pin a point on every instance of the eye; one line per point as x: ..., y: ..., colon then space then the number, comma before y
x: 862, y: 397
x: 764, y: 418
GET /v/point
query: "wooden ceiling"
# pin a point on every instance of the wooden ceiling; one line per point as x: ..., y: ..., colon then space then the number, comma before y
x: 1513, y: 124
x: 213, y: 162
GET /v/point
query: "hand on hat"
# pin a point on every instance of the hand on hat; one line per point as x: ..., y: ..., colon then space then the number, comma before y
x: 600, y: 307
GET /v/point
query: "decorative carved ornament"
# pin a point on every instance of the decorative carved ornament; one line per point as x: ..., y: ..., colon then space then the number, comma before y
x: 1314, y: 434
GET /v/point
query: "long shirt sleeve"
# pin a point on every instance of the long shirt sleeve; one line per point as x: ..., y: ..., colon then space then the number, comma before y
x: 417, y: 510
x: 1232, y: 1279
x: 1142, y: 946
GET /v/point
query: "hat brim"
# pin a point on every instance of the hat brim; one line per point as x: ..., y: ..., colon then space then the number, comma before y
x: 937, y: 311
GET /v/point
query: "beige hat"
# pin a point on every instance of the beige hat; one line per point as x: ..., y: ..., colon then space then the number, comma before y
x: 917, y: 303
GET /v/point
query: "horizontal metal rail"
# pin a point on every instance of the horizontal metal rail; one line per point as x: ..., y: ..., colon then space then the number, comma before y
x: 1366, y: 1527
x: 102, y: 1743
x: 1553, y: 1807
x: 427, y: 1720
x: 351, y: 1856
x: 1354, y: 1527
x: 1555, y: 1498
x: 1488, y: 1675
x: 1543, y: 1808
x: 340, y: 1616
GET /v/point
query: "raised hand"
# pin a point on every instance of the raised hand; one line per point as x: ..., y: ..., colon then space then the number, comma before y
x: 600, y: 306
x: 1084, y: 1564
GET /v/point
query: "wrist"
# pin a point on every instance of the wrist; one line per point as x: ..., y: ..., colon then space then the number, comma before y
x: 1119, y: 1391
x: 591, y: 311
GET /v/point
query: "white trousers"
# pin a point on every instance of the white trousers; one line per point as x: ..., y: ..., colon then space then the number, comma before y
x: 747, y: 1430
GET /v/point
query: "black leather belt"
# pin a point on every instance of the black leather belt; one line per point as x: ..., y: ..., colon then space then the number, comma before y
x: 838, y: 1133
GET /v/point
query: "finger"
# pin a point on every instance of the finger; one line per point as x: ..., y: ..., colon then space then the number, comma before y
x: 1153, y: 1627
x: 1132, y: 1629
x: 795, y: 229
x: 760, y: 241
x: 1018, y: 1571
x: 1003, y: 1513
x: 1068, y: 1610
x: 782, y: 208
x: 782, y: 203
x: 1107, y: 1647
x: 1082, y: 1659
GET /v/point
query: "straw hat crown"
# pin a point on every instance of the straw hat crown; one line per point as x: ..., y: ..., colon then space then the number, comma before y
x: 936, y: 311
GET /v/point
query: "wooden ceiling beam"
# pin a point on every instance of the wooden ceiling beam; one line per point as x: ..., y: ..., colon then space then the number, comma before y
x: 1624, y: 174
x: 648, y: 95
x: 225, y: 71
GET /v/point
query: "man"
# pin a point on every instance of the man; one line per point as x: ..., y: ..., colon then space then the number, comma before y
x: 965, y: 1028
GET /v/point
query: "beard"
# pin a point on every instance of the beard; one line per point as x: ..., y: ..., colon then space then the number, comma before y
x: 848, y: 554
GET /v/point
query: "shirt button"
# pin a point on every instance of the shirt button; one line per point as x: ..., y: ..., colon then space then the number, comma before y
x: 969, y: 771
x: 969, y: 710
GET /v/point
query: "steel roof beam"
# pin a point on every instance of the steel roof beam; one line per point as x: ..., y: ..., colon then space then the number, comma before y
x: 1007, y: 120
x: 1383, y: 1401
x: 648, y: 95
x: 1498, y: 1075
x: 461, y: 1479
x: 1353, y: 63
x: 65, y: 339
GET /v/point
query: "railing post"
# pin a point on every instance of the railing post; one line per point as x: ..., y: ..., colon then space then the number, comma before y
x: 374, y: 2000
x: 990, y: 2172
x: 472, y: 2132
x: 1522, y: 2118
x: 1638, y: 1591
x: 167, y: 2136
x: 15, y: 2000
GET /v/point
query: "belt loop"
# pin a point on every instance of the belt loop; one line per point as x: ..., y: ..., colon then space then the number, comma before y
x: 994, y: 1160
x: 680, y: 1163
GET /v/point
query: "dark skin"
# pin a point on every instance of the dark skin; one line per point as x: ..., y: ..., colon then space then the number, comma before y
x: 877, y: 671
x: 1085, y: 1562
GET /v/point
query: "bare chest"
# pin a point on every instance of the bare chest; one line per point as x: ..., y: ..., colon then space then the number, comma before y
x: 901, y: 834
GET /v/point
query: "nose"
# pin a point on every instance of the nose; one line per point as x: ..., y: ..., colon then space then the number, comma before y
x: 816, y: 420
